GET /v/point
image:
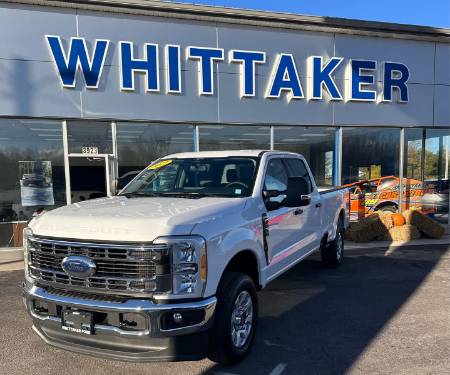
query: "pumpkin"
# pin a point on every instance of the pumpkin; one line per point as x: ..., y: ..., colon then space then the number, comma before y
x: 398, y: 219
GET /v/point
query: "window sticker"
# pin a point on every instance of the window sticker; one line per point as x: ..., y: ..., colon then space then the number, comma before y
x: 238, y: 191
x: 160, y: 164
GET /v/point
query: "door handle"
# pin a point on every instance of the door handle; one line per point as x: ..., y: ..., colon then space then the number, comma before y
x: 318, y: 205
x: 298, y: 211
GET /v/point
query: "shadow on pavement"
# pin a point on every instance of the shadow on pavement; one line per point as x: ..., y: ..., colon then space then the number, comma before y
x: 318, y: 321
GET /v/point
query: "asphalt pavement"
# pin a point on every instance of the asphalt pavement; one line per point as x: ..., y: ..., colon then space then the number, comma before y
x: 385, y: 311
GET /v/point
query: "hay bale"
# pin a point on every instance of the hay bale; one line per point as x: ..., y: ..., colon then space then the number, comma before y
x: 424, y: 224
x: 386, y: 219
x: 404, y: 233
x: 367, y: 229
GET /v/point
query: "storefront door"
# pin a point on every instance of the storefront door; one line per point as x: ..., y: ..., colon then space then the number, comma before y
x: 90, y: 177
x: 91, y: 162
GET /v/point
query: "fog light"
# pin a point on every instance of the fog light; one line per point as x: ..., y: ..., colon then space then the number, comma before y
x: 148, y: 286
x: 177, y: 317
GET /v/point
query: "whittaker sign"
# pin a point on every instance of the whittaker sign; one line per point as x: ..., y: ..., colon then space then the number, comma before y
x: 284, y: 80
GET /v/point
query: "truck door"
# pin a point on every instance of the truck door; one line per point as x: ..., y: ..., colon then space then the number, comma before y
x: 283, y: 223
x: 308, y: 234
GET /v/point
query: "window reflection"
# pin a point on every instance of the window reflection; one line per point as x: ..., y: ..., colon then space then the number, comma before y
x: 32, y: 172
x: 140, y: 144
x: 234, y: 137
x: 316, y: 144
x: 436, y: 172
x: 370, y: 165
x: 91, y: 134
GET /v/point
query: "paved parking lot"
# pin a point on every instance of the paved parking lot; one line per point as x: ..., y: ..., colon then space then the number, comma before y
x: 378, y: 314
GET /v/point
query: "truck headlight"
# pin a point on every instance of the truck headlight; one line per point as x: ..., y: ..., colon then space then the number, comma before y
x: 27, y: 233
x: 188, y: 264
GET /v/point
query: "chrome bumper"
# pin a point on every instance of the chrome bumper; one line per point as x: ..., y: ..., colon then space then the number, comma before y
x: 152, y: 343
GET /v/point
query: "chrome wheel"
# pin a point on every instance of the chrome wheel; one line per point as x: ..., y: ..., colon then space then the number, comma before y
x: 242, y: 319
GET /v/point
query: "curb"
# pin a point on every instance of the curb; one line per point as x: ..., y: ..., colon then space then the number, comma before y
x: 8, y: 255
x: 390, y: 244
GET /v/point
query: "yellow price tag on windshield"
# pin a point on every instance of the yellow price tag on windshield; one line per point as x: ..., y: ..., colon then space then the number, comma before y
x: 161, y: 164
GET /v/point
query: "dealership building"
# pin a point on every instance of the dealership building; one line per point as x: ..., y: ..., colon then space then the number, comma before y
x: 92, y: 91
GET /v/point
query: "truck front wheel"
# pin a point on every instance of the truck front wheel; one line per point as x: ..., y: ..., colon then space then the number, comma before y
x: 332, y: 253
x: 235, y: 319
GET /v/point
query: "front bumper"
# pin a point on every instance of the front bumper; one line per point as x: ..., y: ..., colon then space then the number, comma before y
x: 153, y: 340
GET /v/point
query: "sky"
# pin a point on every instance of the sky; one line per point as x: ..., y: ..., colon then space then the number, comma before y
x: 434, y: 13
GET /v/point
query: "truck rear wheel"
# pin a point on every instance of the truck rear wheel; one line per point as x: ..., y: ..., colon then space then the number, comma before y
x: 235, y: 319
x: 333, y: 252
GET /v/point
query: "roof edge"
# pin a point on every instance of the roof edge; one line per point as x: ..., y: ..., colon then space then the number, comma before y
x: 216, y: 14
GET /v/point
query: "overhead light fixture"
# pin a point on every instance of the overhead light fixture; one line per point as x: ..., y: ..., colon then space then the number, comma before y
x: 46, y: 130
x: 215, y: 127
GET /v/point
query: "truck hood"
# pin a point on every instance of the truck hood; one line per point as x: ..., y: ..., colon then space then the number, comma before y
x: 132, y: 219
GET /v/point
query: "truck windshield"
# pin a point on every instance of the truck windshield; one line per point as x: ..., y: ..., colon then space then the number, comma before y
x: 195, y: 178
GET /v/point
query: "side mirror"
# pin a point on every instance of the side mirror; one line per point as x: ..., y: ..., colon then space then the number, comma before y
x: 298, y: 193
x: 273, y: 199
x: 271, y: 194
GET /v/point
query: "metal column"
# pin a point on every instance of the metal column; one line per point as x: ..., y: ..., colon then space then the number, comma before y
x: 66, y: 163
x: 401, y: 188
x: 337, y: 158
x: 272, y: 135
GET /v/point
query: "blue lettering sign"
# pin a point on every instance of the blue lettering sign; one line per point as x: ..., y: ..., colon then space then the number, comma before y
x: 395, y: 76
x: 206, y: 57
x: 77, y: 57
x: 129, y: 65
x: 285, y: 78
x: 248, y: 60
x: 362, y: 74
x: 173, y: 69
x: 359, y: 79
x: 322, y: 77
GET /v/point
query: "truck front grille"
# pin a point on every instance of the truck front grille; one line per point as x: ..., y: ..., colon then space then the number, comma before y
x: 119, y: 267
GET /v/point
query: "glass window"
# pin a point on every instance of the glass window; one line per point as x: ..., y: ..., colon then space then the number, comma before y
x: 370, y: 161
x: 369, y: 153
x: 32, y: 172
x: 436, y: 172
x: 196, y: 178
x: 89, y: 134
x: 298, y: 169
x: 276, y: 176
x: 234, y: 137
x: 138, y: 144
x: 427, y: 172
x: 414, y: 143
x: 316, y: 144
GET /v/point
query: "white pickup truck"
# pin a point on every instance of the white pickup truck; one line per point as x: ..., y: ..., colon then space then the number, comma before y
x: 169, y: 268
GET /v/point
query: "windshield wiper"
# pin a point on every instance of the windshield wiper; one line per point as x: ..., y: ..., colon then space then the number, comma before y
x: 139, y: 195
x: 175, y: 194
x: 186, y: 194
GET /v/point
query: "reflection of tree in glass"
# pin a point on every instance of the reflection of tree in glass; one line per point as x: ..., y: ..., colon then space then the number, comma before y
x: 143, y: 152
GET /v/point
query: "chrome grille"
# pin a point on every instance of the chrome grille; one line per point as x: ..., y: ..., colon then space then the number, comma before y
x: 120, y: 267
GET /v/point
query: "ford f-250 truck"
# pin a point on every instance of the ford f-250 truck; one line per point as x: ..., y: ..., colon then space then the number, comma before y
x: 169, y: 268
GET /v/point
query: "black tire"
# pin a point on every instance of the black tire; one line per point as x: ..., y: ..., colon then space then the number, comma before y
x: 333, y: 252
x: 221, y: 346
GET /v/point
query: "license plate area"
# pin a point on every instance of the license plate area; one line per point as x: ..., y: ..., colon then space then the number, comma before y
x: 77, y: 321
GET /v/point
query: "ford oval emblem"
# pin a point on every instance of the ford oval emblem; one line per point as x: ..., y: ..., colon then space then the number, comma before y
x: 78, y: 266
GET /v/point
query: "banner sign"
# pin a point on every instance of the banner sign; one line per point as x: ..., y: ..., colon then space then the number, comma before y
x: 36, y: 184
x: 284, y: 79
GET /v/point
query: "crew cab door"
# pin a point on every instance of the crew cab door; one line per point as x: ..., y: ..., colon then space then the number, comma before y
x: 291, y: 231
x: 310, y: 219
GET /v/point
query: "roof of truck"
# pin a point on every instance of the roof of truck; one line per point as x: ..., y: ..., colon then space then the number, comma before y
x: 223, y: 154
